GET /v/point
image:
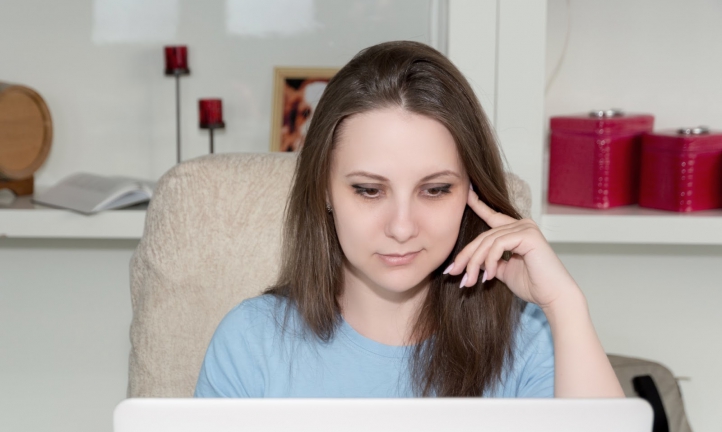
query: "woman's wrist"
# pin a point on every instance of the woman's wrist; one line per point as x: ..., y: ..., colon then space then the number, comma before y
x: 569, y: 306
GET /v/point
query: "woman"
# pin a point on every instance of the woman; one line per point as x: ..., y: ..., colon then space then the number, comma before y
x: 399, y: 199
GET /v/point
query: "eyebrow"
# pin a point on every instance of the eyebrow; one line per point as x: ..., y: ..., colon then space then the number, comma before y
x: 384, y: 179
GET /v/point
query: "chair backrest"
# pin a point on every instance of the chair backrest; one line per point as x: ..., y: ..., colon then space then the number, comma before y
x: 212, y: 239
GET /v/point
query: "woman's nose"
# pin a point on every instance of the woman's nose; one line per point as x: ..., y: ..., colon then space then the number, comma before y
x: 402, y: 224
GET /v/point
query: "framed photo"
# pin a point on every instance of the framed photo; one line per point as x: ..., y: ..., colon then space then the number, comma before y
x: 296, y: 92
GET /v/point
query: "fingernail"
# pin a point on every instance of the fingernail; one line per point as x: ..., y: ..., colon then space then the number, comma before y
x: 448, y: 269
x: 483, y: 278
x: 463, y: 280
x: 471, y: 187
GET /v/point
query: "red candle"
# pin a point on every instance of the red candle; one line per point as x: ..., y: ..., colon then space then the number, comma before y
x: 210, y: 113
x: 176, y: 60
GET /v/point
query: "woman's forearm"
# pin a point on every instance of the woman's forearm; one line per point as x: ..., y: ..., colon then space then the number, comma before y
x: 581, y: 367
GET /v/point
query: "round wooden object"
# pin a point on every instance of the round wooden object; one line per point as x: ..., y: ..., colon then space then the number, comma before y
x: 26, y: 131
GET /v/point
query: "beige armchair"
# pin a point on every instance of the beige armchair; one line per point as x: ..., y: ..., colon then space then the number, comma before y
x: 212, y: 238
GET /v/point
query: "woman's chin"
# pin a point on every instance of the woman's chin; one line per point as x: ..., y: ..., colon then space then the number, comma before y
x: 403, y: 284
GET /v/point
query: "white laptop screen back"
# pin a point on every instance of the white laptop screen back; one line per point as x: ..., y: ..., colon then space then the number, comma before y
x: 383, y: 415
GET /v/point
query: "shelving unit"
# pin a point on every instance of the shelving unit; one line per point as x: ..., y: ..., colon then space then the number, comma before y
x: 24, y: 219
x: 631, y: 224
x: 560, y: 224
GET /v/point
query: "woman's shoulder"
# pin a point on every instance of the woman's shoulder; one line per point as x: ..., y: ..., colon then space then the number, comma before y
x: 263, y: 313
x: 263, y: 304
x: 236, y: 361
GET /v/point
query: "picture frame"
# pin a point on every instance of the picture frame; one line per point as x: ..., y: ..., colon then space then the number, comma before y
x: 296, y: 91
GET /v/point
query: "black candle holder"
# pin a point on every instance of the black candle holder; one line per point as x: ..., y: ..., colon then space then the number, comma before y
x: 211, y: 127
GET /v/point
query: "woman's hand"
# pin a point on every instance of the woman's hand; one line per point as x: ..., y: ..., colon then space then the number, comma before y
x: 534, y: 273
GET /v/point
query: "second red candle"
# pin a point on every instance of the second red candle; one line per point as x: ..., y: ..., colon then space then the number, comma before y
x: 210, y: 113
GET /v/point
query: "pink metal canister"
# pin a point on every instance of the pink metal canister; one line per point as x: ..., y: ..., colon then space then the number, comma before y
x: 595, y: 158
x: 682, y: 170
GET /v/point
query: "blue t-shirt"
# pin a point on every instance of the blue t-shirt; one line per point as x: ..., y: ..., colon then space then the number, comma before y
x: 251, y: 356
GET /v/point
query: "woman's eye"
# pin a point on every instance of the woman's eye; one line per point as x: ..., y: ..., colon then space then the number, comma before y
x: 367, y: 192
x: 438, y: 191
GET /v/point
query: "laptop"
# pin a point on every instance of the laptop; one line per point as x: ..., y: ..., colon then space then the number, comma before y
x: 383, y: 415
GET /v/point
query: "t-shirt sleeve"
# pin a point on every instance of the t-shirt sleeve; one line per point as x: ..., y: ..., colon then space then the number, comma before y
x: 535, y: 355
x: 230, y: 368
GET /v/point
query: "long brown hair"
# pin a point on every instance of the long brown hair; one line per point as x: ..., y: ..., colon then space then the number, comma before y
x: 467, y: 335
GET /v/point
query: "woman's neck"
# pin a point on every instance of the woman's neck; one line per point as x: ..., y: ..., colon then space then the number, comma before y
x: 381, y: 315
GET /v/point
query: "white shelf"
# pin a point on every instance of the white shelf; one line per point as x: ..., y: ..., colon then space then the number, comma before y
x: 630, y: 224
x: 560, y: 224
x: 24, y: 219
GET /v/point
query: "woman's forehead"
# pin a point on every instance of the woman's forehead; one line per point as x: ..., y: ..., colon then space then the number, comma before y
x: 394, y: 141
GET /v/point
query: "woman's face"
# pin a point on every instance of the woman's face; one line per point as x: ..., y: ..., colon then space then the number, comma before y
x: 398, y: 190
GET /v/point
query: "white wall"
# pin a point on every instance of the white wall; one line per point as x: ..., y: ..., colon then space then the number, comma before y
x: 653, y: 56
x: 64, y: 325
x: 657, y: 302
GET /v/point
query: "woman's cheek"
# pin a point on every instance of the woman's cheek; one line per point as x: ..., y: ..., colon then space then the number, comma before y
x: 448, y: 225
x: 356, y: 230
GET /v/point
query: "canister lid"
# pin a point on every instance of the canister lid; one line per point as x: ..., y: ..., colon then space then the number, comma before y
x: 695, y: 139
x: 699, y: 130
x: 614, y: 112
x: 613, y: 121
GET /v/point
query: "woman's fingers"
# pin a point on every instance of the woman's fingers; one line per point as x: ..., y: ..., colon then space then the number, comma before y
x: 507, y: 242
x: 463, y: 257
x: 492, y: 217
x: 519, y: 239
x: 485, y: 251
x: 483, y: 254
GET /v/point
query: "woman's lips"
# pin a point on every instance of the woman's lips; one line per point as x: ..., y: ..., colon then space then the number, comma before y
x: 398, y: 260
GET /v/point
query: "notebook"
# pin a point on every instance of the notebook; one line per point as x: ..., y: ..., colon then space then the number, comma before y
x: 383, y: 415
x: 90, y: 193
